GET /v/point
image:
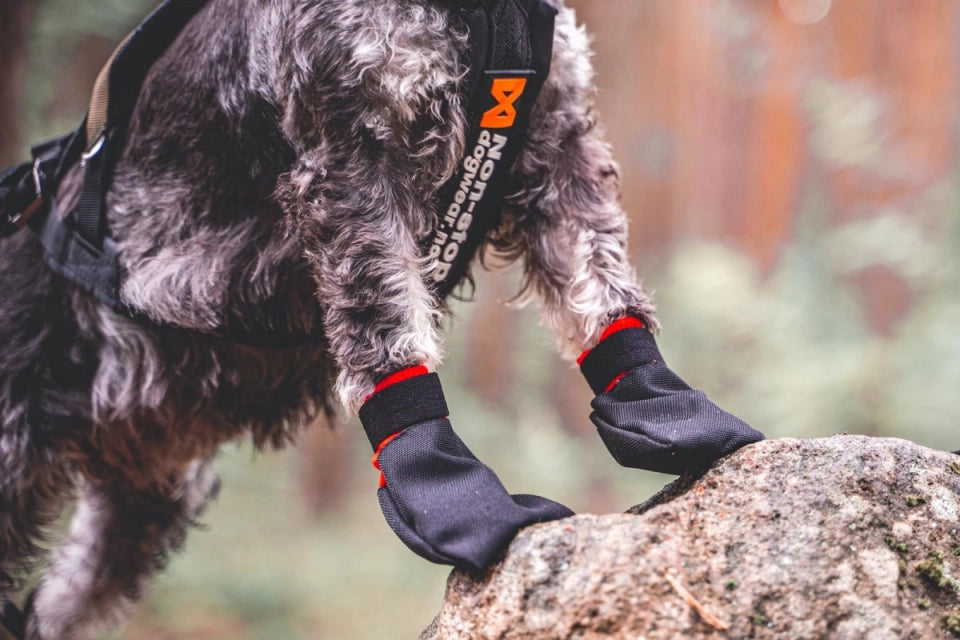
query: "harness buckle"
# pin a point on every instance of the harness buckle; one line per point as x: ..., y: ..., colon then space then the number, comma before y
x: 20, y: 220
x: 93, y: 150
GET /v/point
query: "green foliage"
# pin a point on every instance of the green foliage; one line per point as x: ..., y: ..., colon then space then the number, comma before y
x: 793, y: 352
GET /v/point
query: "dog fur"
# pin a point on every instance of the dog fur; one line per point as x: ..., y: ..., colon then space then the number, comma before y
x: 280, y: 171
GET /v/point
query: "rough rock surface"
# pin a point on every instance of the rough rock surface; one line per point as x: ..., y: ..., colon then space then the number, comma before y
x: 847, y: 537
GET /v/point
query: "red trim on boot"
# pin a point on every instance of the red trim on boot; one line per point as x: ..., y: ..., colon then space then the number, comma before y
x: 630, y: 322
x: 614, y: 382
x: 400, y: 376
x: 389, y: 381
x: 376, y: 457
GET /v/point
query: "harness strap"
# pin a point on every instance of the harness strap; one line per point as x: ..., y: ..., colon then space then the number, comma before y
x: 25, y: 189
x: 97, y: 115
x: 511, y: 47
x: 114, y: 96
x: 20, y: 198
x: 90, y: 214
x: 78, y: 245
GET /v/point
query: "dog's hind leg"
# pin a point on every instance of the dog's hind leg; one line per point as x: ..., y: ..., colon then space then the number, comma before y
x: 44, y: 404
x: 119, y: 538
x: 27, y: 506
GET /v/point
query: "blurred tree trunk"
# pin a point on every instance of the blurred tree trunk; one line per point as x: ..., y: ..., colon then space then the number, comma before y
x: 328, y: 468
x: 14, y: 20
x: 493, y: 327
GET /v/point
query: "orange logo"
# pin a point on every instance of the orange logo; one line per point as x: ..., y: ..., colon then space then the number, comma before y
x: 506, y: 91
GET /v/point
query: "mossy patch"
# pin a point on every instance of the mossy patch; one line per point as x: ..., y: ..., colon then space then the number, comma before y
x: 760, y: 620
x: 935, y: 573
x: 915, y: 500
x: 951, y: 622
x: 896, y: 545
x: 731, y: 585
x: 906, y: 584
x: 923, y: 603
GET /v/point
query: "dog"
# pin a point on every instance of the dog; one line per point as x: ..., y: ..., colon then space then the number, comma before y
x: 280, y: 170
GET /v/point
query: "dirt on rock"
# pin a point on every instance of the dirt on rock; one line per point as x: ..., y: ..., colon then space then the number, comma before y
x: 848, y: 537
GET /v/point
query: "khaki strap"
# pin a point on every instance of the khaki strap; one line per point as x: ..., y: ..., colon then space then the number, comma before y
x: 100, y: 100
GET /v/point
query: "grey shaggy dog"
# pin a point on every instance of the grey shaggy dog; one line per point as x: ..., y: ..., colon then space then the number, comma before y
x: 282, y: 152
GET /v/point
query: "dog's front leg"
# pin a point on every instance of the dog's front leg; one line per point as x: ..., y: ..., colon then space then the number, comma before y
x: 381, y: 321
x: 379, y: 316
x: 565, y: 220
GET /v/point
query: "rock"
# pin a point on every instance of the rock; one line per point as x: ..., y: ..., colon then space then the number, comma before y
x: 847, y: 537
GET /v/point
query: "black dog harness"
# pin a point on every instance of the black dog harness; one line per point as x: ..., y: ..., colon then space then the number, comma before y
x: 510, y: 49
x: 78, y: 245
x: 511, y: 43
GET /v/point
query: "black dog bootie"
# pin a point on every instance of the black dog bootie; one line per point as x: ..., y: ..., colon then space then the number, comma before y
x: 646, y: 415
x: 439, y: 499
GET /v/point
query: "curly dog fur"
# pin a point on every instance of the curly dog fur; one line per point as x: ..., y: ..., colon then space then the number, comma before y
x: 282, y: 153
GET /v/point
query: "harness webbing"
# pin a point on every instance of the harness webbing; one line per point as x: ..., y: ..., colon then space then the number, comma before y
x: 510, y: 49
x: 511, y: 46
x: 97, y: 115
x: 78, y: 245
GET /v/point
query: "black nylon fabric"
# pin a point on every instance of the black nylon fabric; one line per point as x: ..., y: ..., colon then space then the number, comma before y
x: 90, y: 215
x: 510, y: 40
x: 144, y: 47
x: 510, y: 43
x: 652, y: 420
x: 18, y: 184
x: 401, y: 405
x: 622, y: 351
x: 16, y: 194
x: 440, y: 500
x: 449, y: 507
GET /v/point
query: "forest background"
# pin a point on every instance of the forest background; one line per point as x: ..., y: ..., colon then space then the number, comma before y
x: 790, y: 169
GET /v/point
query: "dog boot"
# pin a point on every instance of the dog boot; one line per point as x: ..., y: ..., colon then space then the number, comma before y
x: 646, y: 415
x: 441, y: 501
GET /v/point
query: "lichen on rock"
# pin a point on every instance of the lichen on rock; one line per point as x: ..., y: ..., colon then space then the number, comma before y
x: 784, y: 539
